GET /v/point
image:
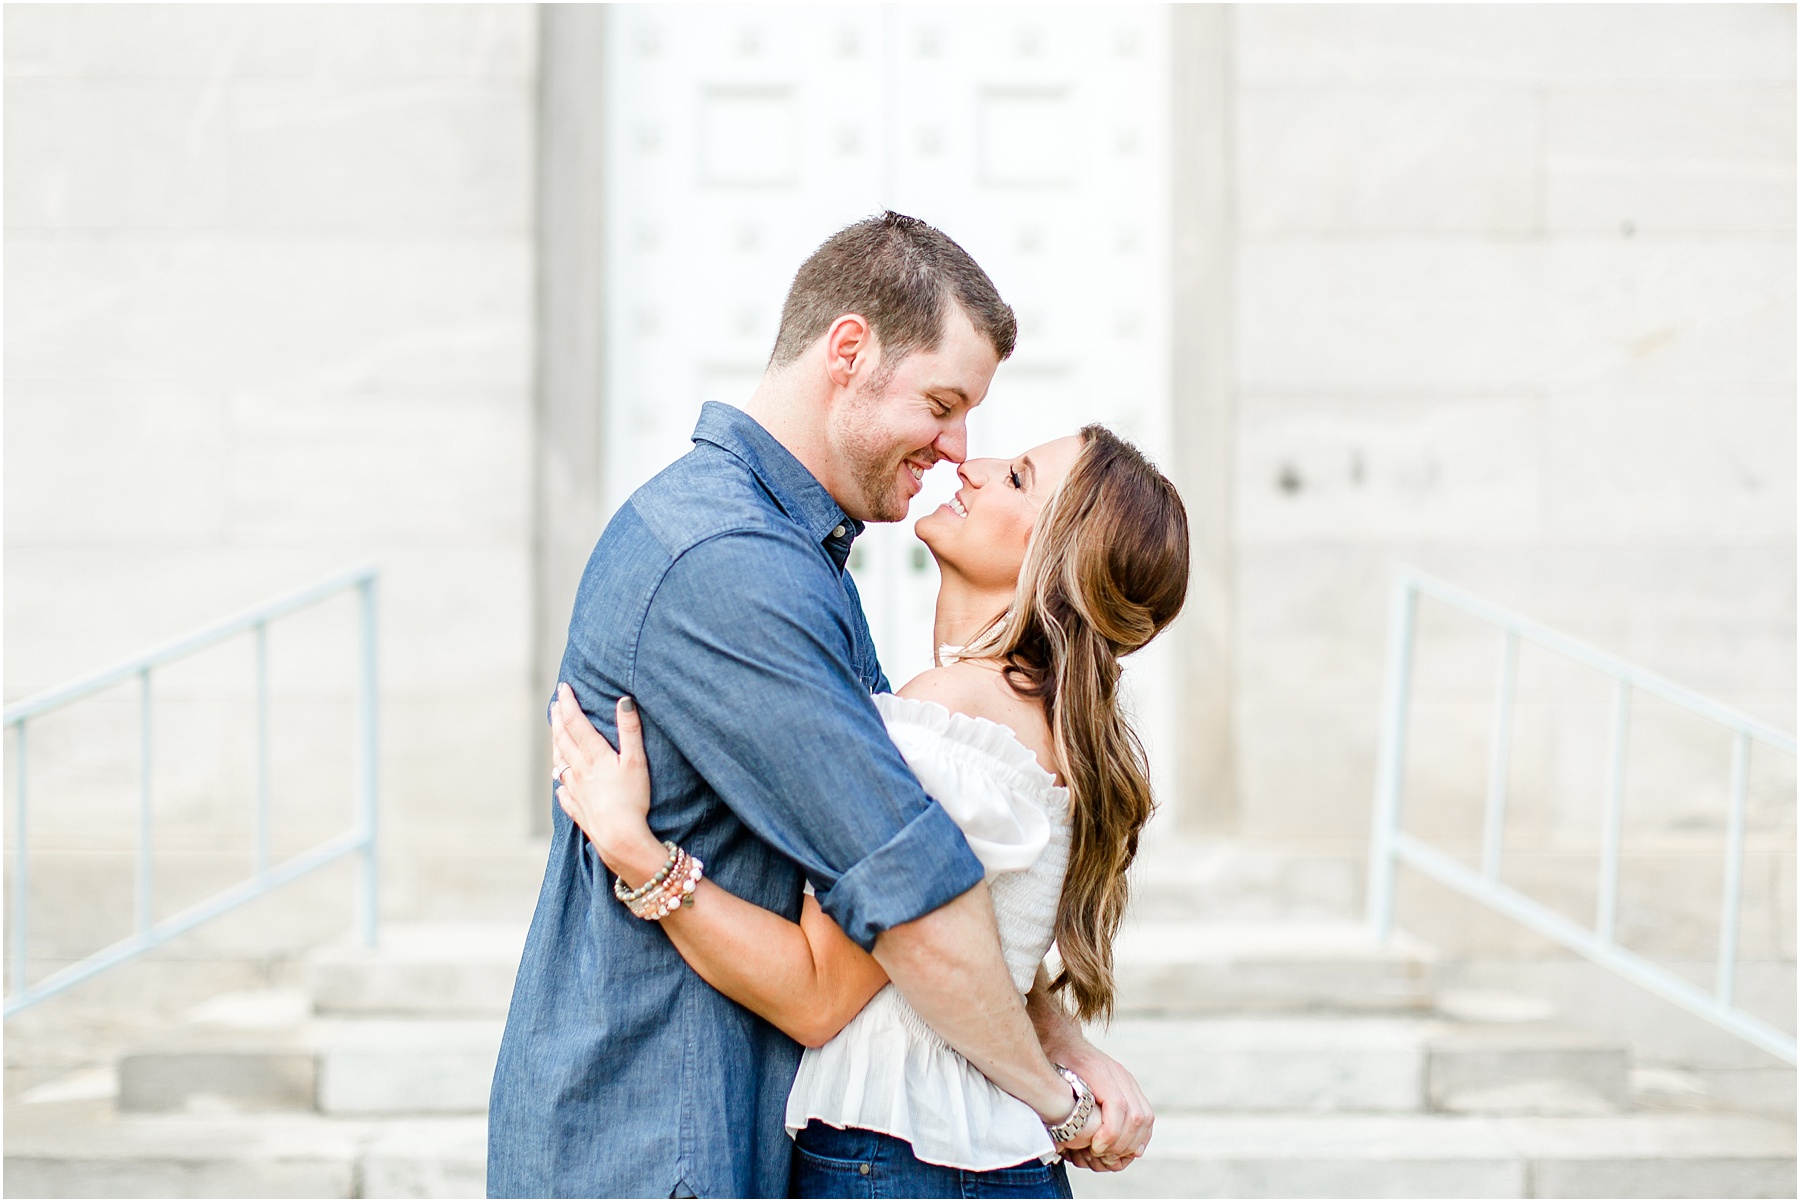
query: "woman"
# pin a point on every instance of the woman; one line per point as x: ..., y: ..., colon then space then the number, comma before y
x: 1053, y: 566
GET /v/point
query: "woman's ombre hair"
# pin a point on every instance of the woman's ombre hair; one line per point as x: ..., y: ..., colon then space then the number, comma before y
x: 1106, y: 572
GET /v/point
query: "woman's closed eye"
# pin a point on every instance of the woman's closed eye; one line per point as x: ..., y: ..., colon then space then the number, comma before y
x: 1013, y: 475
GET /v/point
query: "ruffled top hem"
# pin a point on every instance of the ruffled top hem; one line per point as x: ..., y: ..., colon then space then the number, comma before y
x: 887, y: 1070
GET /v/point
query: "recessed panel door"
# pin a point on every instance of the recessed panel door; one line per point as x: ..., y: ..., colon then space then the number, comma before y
x: 1034, y: 135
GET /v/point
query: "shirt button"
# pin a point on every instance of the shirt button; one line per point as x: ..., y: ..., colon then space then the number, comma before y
x: 863, y: 1169
x: 838, y: 532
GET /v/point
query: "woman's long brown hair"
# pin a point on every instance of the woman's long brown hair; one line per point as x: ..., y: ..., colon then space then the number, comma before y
x: 1106, y: 571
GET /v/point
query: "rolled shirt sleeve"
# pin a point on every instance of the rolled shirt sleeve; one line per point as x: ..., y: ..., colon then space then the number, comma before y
x: 744, y: 662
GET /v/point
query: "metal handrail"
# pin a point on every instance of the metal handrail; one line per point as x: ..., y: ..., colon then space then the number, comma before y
x: 1390, y: 846
x: 149, y: 933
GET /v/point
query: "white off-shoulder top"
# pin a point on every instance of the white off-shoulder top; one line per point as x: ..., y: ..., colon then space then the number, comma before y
x: 886, y: 1070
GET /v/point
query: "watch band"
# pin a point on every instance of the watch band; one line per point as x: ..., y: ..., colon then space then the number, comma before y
x: 1070, y: 1127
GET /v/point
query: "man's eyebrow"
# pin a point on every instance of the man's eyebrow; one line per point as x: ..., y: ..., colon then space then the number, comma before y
x: 955, y: 389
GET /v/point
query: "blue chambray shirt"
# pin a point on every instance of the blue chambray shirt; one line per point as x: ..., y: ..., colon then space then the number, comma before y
x: 717, y: 597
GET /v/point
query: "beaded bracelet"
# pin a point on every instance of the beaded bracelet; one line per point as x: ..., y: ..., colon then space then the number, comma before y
x: 650, y: 904
x: 675, y: 891
x: 630, y: 895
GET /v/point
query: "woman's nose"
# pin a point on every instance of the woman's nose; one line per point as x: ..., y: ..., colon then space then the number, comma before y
x: 975, y: 472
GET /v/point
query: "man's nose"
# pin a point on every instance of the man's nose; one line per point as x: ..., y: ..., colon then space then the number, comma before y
x: 953, y: 444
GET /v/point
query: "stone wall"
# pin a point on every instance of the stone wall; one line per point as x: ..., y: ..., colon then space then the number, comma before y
x: 1503, y: 292
x: 1514, y: 303
x: 269, y: 313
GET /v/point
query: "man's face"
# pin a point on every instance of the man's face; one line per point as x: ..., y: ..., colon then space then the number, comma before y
x: 889, y: 432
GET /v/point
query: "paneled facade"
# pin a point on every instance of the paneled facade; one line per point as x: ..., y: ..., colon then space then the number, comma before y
x: 1505, y: 292
x: 739, y: 138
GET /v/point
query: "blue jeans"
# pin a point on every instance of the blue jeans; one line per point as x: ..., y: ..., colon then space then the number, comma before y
x: 829, y: 1163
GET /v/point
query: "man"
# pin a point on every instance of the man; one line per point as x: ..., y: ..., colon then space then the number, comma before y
x: 718, y: 597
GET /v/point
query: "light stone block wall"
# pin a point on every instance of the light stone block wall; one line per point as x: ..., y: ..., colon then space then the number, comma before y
x: 269, y: 313
x: 1510, y: 297
x: 1515, y: 304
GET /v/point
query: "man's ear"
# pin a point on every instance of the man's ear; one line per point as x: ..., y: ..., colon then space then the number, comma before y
x: 851, y: 351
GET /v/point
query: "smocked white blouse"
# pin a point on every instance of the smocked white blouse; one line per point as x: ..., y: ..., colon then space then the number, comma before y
x: 886, y: 1070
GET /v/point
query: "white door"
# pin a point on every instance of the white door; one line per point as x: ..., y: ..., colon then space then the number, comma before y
x: 1036, y: 136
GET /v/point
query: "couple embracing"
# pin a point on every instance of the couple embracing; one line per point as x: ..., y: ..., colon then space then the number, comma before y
x: 792, y: 936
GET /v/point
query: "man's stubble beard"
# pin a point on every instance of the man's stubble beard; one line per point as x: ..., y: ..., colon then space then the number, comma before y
x: 874, y: 468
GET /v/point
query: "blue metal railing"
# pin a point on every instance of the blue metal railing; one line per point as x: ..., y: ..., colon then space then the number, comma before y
x: 360, y: 838
x: 1390, y: 846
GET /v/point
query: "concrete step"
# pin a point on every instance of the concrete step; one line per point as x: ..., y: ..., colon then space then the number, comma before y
x: 86, y: 1149
x: 1272, y: 1064
x: 1524, y: 1068
x: 1438, y: 1156
x: 402, y: 1066
x: 211, y: 1071
x: 1182, y: 876
x: 1187, y: 967
x: 443, y: 969
x: 365, y: 1066
x: 1338, y: 1063
x: 426, y: 1158
x: 89, y: 1149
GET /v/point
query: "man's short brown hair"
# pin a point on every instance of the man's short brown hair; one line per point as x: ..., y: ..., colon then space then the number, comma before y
x: 896, y: 272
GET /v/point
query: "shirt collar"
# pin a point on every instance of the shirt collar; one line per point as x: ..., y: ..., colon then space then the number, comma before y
x: 795, y: 489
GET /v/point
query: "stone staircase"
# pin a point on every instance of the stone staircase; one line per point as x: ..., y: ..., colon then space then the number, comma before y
x: 372, y: 1081
x: 1286, y: 1059
x: 1299, y: 1059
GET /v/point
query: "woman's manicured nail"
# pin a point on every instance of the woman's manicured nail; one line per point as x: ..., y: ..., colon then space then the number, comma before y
x: 628, y: 705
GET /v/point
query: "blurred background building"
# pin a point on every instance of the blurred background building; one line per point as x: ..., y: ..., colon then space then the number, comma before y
x: 1502, y: 292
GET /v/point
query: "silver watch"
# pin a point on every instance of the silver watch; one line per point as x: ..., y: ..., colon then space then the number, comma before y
x: 1070, y: 1127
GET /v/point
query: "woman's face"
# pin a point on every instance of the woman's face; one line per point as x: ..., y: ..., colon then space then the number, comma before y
x: 982, y: 533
